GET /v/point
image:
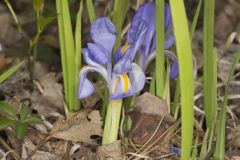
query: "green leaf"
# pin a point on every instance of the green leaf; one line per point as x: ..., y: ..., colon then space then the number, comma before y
x: 67, y: 52
x: 160, y: 37
x: 209, y: 66
x: 10, y: 71
x: 127, y: 124
x: 194, y: 151
x: 24, y: 112
x: 184, y: 53
x: 21, y: 130
x: 44, y: 21
x: 220, y: 142
x: 78, y: 51
x: 91, y: 11
x: 203, y: 152
x: 119, y: 15
x: 4, y: 123
x: 38, y: 5
x: 32, y: 120
x: 7, y: 109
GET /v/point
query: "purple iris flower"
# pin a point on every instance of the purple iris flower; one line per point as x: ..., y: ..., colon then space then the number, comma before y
x: 124, y: 79
x: 146, y: 14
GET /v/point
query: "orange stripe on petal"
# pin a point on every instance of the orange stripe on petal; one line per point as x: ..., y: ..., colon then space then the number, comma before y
x: 125, y: 82
x: 124, y: 48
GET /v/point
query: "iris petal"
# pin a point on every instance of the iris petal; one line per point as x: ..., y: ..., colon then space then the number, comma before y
x: 129, y: 51
x: 85, y: 87
x: 90, y: 61
x: 98, y: 53
x: 136, y: 77
x: 103, y: 33
x: 174, y: 67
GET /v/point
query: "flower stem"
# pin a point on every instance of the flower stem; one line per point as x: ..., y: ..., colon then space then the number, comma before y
x: 110, y: 131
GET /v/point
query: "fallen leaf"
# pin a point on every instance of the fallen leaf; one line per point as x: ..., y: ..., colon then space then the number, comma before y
x: 83, y: 126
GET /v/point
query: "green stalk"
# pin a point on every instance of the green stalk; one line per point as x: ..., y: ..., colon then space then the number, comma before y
x: 78, y: 49
x: 111, y: 126
x: 210, y: 86
x: 91, y: 11
x: 184, y: 53
x: 63, y: 51
x: 220, y: 142
x: 14, y: 16
x: 160, y: 38
x: 119, y: 14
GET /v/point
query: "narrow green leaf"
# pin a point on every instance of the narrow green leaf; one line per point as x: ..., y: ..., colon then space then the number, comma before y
x: 184, y: 53
x: 21, y: 130
x: 38, y: 5
x: 68, y: 51
x: 7, y: 109
x: 32, y: 120
x: 91, y: 11
x: 210, y: 87
x: 44, y: 21
x: 63, y: 50
x: 220, y: 142
x: 194, y: 151
x: 4, y: 123
x: 119, y: 15
x: 174, y: 108
x: 24, y: 112
x: 152, y: 89
x: 10, y: 71
x: 14, y: 16
x: 160, y: 38
x: 78, y: 55
x: 203, y: 152
x: 195, y: 19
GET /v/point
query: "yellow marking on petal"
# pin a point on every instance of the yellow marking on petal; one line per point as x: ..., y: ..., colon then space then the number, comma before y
x: 124, y: 48
x: 125, y: 82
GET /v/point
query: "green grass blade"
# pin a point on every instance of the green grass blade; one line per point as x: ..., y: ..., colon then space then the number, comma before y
x: 160, y: 37
x: 220, y: 143
x: 66, y: 36
x: 63, y: 50
x: 78, y: 49
x: 194, y: 151
x: 203, y: 152
x: 91, y: 11
x: 195, y: 19
x: 184, y: 53
x: 174, y: 108
x: 10, y: 71
x: 119, y: 15
x: 14, y: 16
x: 210, y: 87
x: 152, y: 89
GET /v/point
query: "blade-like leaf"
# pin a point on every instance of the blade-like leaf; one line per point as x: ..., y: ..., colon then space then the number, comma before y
x: 24, y: 112
x: 78, y: 55
x: 220, y: 143
x: 184, y: 53
x: 32, y: 120
x: 7, y: 109
x: 10, y: 71
x: 21, y: 130
x: 91, y: 11
x: 4, y: 123
x: 209, y: 66
x: 194, y: 151
x: 160, y: 36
